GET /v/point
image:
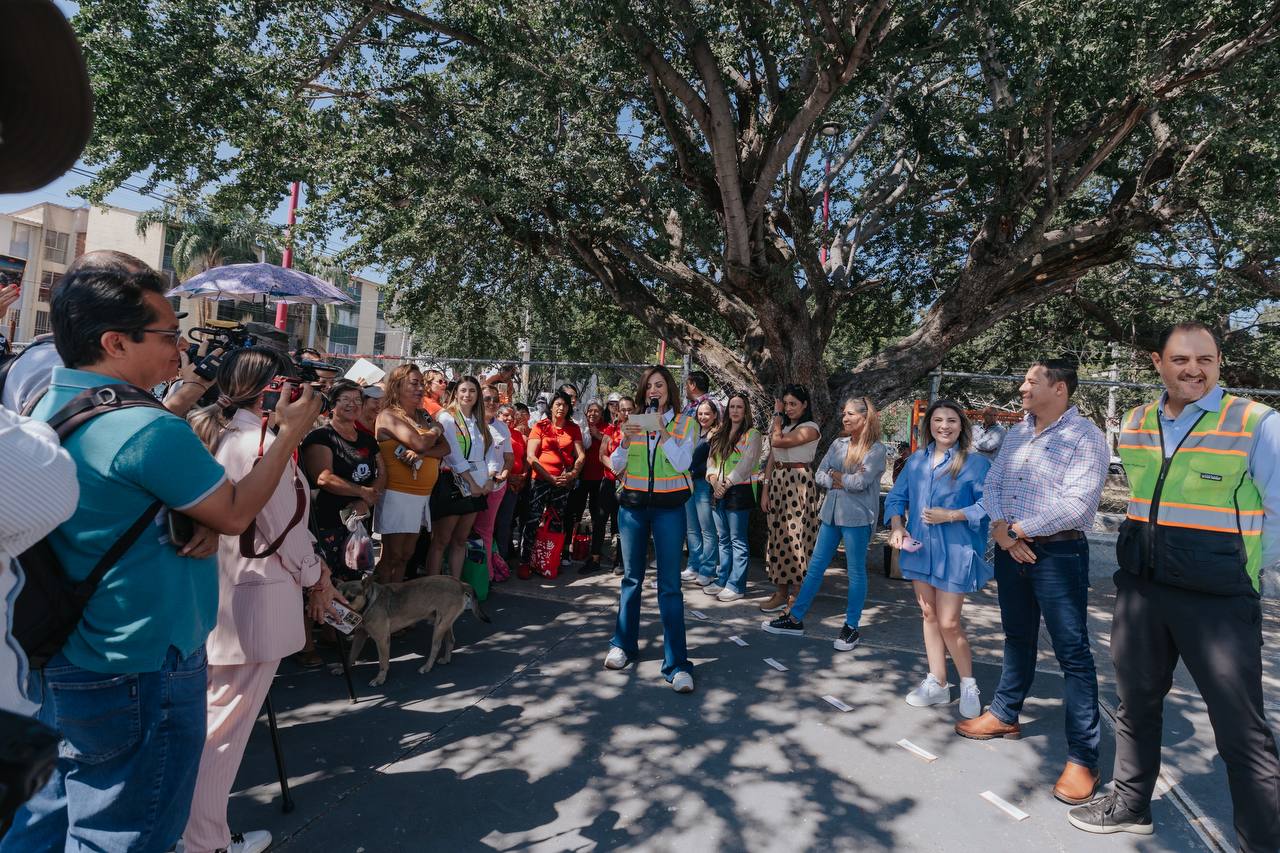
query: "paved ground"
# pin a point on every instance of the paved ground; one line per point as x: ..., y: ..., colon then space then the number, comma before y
x: 524, y: 742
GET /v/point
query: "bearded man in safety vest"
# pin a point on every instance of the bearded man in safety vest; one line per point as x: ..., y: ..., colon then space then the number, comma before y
x: 1204, y: 471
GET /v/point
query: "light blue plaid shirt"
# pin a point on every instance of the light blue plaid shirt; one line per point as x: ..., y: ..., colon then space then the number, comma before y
x: 1048, y: 482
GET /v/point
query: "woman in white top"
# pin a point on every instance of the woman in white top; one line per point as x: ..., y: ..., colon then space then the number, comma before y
x: 790, y: 496
x: 498, y: 462
x: 463, y: 490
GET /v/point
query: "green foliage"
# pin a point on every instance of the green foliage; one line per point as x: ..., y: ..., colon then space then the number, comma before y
x: 615, y: 166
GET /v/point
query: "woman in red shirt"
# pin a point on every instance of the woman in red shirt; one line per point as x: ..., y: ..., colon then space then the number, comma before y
x: 587, y: 495
x: 556, y: 457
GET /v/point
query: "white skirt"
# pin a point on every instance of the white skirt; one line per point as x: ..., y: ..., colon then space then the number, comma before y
x: 400, y: 512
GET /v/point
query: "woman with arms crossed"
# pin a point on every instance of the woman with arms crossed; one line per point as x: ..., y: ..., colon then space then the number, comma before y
x: 790, y: 495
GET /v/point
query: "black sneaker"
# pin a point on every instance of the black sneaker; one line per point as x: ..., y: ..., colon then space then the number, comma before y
x: 848, y: 639
x: 785, y: 624
x: 1107, y: 815
x: 588, y: 567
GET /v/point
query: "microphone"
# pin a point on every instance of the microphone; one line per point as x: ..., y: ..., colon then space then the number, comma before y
x: 652, y: 408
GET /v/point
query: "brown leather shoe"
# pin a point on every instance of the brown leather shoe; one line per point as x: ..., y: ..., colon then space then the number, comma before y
x: 986, y: 727
x: 1077, y: 784
x: 776, y: 603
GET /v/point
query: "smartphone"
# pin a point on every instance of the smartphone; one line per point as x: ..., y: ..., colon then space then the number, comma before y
x: 349, y: 621
x: 181, y: 528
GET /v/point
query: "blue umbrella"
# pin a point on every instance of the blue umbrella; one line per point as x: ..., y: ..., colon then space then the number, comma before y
x: 247, y: 281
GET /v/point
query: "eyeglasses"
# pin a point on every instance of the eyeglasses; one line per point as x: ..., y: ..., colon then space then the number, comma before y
x: 172, y: 334
x: 490, y: 399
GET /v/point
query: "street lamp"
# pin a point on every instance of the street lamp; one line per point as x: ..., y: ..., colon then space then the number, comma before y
x: 830, y: 130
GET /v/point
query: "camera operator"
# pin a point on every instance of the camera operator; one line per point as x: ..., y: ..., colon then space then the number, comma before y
x: 261, y: 578
x: 29, y: 375
x: 131, y: 678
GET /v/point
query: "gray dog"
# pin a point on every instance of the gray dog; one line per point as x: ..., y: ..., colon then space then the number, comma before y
x: 385, y: 608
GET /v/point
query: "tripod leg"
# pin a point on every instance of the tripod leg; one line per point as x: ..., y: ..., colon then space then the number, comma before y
x: 346, y: 666
x: 286, y: 804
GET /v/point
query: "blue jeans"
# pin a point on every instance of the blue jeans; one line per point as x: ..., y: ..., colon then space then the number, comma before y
x: 1057, y: 586
x: 856, y: 540
x: 700, y: 529
x: 127, y: 762
x: 667, y: 527
x: 731, y: 529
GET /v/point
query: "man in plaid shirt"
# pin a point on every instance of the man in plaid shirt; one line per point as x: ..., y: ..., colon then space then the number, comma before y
x: 1042, y: 493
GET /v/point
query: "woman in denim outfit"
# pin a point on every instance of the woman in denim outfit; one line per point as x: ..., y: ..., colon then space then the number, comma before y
x: 942, y: 542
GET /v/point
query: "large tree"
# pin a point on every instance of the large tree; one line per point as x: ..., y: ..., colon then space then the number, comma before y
x: 985, y: 156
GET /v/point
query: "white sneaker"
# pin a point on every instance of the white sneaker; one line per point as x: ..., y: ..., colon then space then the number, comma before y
x: 930, y: 692
x: 970, y: 699
x: 712, y: 589
x: 688, y: 575
x: 682, y: 683
x: 249, y: 842
x: 703, y: 580
x: 616, y: 659
x: 728, y: 595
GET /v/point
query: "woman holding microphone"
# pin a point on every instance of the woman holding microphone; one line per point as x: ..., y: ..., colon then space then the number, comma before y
x: 653, y: 466
x: 942, y: 544
x: 262, y: 576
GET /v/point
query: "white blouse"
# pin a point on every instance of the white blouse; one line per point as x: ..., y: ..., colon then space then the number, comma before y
x: 802, y: 452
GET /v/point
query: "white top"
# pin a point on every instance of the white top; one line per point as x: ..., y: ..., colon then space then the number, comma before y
x: 38, y: 491
x: 800, y: 453
x: 459, y: 435
x: 501, y: 446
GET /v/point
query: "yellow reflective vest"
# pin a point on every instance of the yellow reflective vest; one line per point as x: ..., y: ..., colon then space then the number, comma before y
x: 1195, y: 518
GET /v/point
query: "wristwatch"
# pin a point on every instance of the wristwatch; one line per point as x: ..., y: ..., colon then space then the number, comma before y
x: 1009, y: 531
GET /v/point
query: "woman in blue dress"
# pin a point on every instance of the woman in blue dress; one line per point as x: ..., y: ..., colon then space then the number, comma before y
x: 942, y: 542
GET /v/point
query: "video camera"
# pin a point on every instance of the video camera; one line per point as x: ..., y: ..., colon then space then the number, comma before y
x: 217, y: 342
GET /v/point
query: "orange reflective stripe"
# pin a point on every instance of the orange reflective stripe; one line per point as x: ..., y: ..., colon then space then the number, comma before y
x: 1203, y: 508
x: 1188, y: 526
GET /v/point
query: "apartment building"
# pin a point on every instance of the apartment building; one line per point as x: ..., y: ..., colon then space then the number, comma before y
x: 48, y: 237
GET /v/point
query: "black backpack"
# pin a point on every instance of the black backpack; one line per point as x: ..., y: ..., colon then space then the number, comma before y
x: 50, y: 604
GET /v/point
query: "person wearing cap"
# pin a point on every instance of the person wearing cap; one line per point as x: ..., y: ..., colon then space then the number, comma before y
x: 372, y: 397
x: 611, y: 403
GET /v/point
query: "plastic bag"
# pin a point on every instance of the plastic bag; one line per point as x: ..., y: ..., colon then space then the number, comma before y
x: 548, y: 547
x: 358, y: 553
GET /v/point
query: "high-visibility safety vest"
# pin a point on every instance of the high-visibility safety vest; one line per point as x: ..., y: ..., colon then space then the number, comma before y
x: 659, y: 484
x: 735, y: 455
x: 1207, y: 534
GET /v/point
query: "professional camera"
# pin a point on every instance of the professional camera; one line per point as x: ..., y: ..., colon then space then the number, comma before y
x: 218, y: 340
x: 308, y: 374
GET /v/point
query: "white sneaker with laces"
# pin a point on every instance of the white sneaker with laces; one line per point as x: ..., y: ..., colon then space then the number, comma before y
x: 682, y: 683
x: 930, y: 692
x: 702, y: 580
x: 249, y: 842
x: 688, y: 575
x: 712, y: 589
x: 728, y: 595
x: 616, y: 659
x: 970, y: 699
